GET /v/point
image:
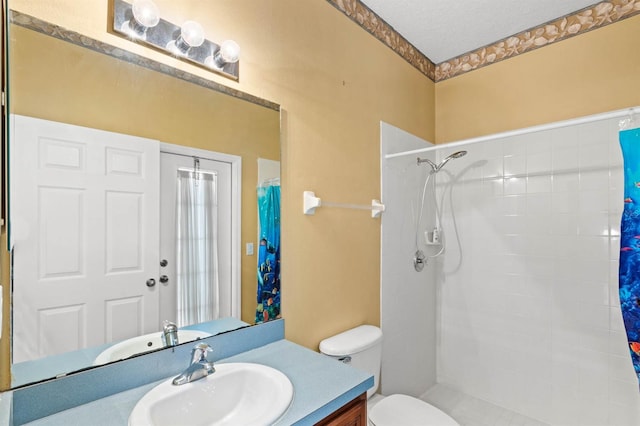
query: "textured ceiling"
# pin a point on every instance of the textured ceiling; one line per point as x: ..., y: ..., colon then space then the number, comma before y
x: 444, y: 29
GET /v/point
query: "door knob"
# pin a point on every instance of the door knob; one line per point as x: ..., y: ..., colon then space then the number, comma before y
x: 151, y: 282
x: 164, y: 279
x: 164, y: 263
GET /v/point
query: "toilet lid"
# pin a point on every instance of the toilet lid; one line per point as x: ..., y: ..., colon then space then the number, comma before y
x: 403, y: 410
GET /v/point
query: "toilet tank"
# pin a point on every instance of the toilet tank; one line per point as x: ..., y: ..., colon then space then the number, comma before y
x: 360, y: 347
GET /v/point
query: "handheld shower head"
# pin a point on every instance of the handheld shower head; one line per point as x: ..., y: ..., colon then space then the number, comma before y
x: 457, y: 154
x: 435, y: 168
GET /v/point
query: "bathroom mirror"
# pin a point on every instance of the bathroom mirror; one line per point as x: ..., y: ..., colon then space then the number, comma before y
x: 62, y: 77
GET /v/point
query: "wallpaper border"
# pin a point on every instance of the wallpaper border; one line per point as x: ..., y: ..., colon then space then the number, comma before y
x: 580, y: 22
x: 380, y: 29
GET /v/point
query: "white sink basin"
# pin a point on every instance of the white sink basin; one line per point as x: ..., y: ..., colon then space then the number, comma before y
x: 236, y: 394
x: 141, y: 344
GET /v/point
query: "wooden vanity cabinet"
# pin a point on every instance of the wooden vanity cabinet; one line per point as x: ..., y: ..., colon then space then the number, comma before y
x: 353, y: 413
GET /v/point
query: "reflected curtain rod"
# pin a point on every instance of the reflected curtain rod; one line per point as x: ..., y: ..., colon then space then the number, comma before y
x: 558, y: 124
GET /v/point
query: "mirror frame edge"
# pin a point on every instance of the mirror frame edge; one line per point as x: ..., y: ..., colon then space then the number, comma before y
x: 5, y: 308
x: 52, y: 30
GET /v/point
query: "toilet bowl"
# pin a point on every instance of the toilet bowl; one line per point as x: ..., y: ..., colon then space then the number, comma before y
x: 404, y: 410
x: 361, y: 347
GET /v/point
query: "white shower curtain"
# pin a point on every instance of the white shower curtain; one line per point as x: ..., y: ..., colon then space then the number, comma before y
x: 197, y: 247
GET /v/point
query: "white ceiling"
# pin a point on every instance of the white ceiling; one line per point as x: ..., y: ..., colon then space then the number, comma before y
x: 444, y: 29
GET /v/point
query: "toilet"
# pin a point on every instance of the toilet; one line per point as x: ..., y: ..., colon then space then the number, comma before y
x: 361, y: 347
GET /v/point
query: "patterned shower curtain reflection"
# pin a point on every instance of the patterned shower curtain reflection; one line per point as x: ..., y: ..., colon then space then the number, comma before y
x: 629, y: 271
x: 197, y: 247
x: 269, y: 254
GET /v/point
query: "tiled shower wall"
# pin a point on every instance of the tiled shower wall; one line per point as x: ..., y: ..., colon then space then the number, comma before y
x: 529, y: 315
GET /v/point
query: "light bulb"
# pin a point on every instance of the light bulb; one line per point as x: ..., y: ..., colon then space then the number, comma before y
x: 146, y: 13
x: 192, y: 33
x: 229, y: 51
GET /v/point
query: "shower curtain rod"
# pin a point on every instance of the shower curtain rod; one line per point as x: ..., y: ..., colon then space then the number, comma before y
x: 588, y: 119
x: 270, y: 181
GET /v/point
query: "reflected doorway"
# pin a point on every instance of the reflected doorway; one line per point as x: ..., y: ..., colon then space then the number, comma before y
x: 195, y: 238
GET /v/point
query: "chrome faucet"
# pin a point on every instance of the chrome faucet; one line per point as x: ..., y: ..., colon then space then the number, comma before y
x: 169, y: 334
x: 200, y: 367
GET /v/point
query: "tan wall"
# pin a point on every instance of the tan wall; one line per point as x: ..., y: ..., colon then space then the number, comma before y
x: 335, y: 83
x: 595, y: 72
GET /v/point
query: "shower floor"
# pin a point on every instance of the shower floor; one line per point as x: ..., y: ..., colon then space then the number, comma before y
x: 470, y: 411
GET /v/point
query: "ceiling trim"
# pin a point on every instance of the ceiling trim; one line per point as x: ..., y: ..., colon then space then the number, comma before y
x: 380, y: 29
x: 590, y: 18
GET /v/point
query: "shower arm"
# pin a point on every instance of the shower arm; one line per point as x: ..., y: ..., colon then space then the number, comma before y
x: 433, y: 165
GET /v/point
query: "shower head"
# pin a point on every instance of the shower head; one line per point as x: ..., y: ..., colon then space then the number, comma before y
x: 435, y: 168
x: 458, y: 154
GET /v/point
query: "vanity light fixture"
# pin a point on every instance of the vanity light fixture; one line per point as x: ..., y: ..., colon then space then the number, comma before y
x: 140, y: 22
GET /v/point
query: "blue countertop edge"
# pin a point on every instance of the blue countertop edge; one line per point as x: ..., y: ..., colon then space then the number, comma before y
x: 55, y: 395
x: 321, y: 384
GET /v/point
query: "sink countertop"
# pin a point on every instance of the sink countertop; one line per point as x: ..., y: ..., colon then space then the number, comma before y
x: 321, y: 386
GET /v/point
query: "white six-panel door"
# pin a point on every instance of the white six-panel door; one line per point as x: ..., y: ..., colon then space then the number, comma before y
x: 84, y: 229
